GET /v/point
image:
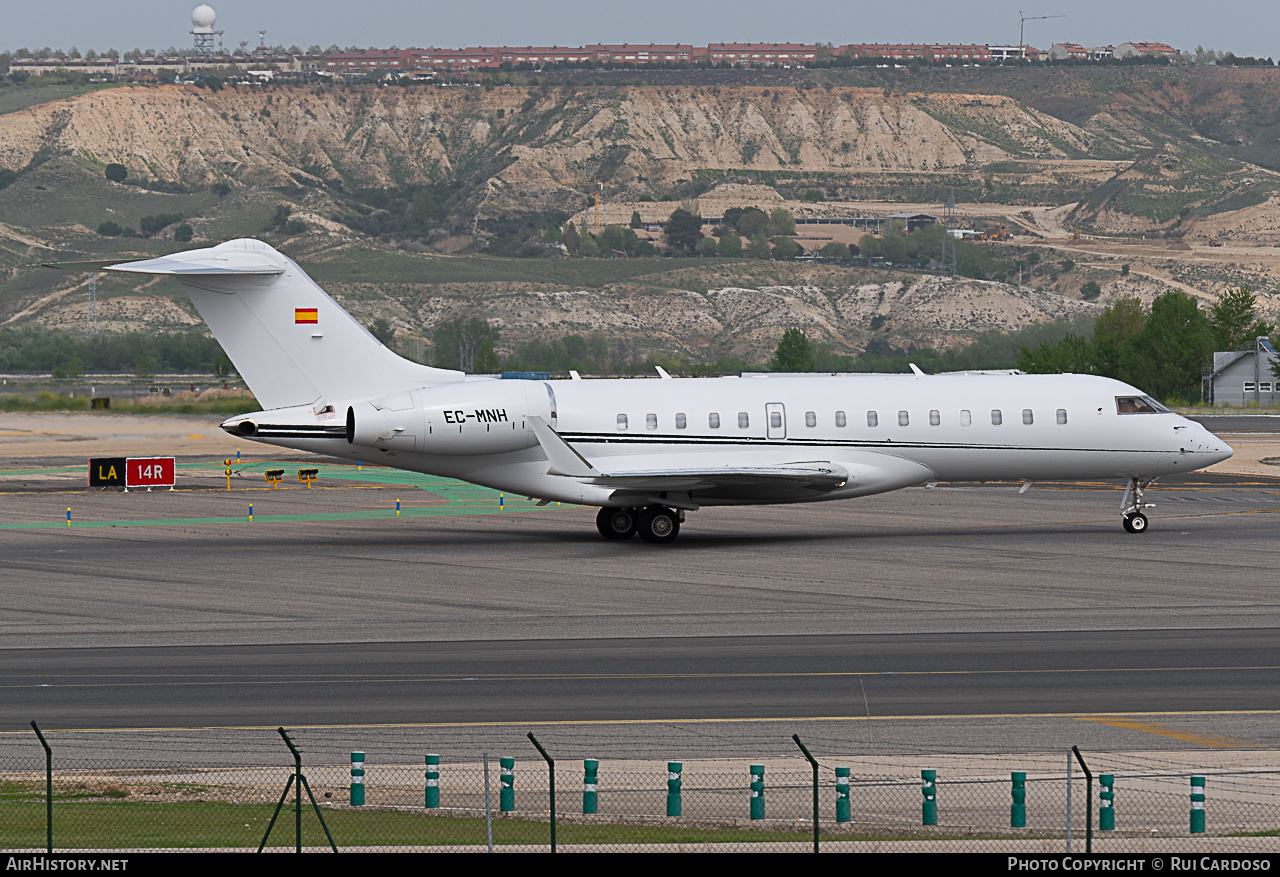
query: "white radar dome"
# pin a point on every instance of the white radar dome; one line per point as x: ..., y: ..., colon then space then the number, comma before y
x: 203, y: 16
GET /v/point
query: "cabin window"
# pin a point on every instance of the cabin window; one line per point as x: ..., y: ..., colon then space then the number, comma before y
x: 1027, y: 417
x: 681, y: 421
x: 996, y: 417
x: 841, y: 420
x: 1146, y: 405
x: 743, y: 420
x: 713, y: 420
x: 622, y: 421
x: 810, y: 418
x: 966, y: 419
x: 651, y: 421
x: 1265, y: 386
x: 1062, y: 416
x: 935, y: 418
x: 1249, y: 387
x: 904, y: 419
x: 873, y: 419
x: 775, y: 420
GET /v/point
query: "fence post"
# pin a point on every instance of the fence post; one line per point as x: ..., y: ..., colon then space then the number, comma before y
x: 757, y: 791
x: 1106, y: 802
x: 301, y: 781
x: 814, y: 763
x: 590, y: 786
x: 432, y: 794
x: 674, y: 769
x: 551, y: 768
x: 506, y: 784
x: 1088, y: 803
x: 1018, y: 810
x: 929, y: 788
x: 48, y: 789
x: 844, y: 809
x: 357, y: 779
x: 1197, y: 805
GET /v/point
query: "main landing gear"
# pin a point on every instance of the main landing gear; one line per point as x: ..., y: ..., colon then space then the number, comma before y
x: 655, y: 523
x: 1132, y: 505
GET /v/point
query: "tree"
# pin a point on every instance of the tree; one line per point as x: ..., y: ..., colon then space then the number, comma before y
x: 183, y: 233
x: 730, y: 245
x: 683, y: 230
x: 759, y: 247
x: 1090, y: 290
x: 383, y: 331
x: 1234, y: 321
x: 116, y: 173
x: 635, y: 219
x: 784, y: 249
x: 781, y: 221
x: 794, y: 353
x: 109, y: 229
x: 836, y: 250
x: 1166, y: 356
x: 465, y: 344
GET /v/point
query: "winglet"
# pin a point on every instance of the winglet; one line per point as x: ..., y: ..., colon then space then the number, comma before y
x: 662, y: 373
x: 916, y: 369
x: 564, y: 459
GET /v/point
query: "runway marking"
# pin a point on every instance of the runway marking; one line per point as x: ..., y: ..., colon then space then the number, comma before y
x: 1211, y: 741
x: 191, y: 679
x: 673, y: 721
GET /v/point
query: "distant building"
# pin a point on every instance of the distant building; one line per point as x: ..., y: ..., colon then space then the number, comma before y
x: 1153, y: 50
x: 1242, y: 377
x: 762, y: 54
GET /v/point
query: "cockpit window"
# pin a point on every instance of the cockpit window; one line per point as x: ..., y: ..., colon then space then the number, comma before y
x: 1139, y: 405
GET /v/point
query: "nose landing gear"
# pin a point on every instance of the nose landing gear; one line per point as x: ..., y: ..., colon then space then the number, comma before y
x: 1132, y: 505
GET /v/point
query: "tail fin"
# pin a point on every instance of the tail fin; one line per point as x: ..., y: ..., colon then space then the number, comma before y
x: 290, y: 341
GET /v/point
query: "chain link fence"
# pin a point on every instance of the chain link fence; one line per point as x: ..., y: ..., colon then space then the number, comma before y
x: 96, y: 799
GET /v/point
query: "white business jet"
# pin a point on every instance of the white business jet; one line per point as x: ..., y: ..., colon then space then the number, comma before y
x: 648, y: 451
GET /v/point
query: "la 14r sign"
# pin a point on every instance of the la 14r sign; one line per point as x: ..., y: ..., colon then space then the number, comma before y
x: 132, y: 472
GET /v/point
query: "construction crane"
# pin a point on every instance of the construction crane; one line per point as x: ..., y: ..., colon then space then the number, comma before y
x: 1023, y: 18
x: 599, y: 188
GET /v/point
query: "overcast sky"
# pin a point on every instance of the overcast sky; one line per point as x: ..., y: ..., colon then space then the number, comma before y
x: 1246, y: 27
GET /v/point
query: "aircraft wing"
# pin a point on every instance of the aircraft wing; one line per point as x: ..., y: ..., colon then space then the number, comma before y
x: 779, y: 480
x: 816, y: 476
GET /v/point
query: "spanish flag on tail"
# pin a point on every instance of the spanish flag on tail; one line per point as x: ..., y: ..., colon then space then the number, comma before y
x: 305, y: 315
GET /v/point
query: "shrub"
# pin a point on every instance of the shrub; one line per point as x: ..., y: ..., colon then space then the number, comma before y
x: 109, y: 229
x: 116, y: 173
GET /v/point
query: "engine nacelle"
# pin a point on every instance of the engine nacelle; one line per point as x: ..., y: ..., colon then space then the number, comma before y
x: 467, y: 418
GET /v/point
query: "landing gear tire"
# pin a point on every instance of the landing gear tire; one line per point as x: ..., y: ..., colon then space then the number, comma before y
x: 616, y: 523
x: 658, y: 525
x: 1135, y: 523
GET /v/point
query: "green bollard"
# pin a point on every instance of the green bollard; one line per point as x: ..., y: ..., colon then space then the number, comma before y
x: 433, y: 782
x: 757, y: 791
x: 507, y: 780
x: 590, y: 785
x: 929, y: 788
x: 674, y: 769
x: 1018, y: 811
x: 844, y: 812
x: 1197, y: 805
x: 357, y: 779
x: 1107, y: 802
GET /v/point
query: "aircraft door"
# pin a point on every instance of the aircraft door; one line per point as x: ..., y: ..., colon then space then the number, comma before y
x: 775, y: 420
